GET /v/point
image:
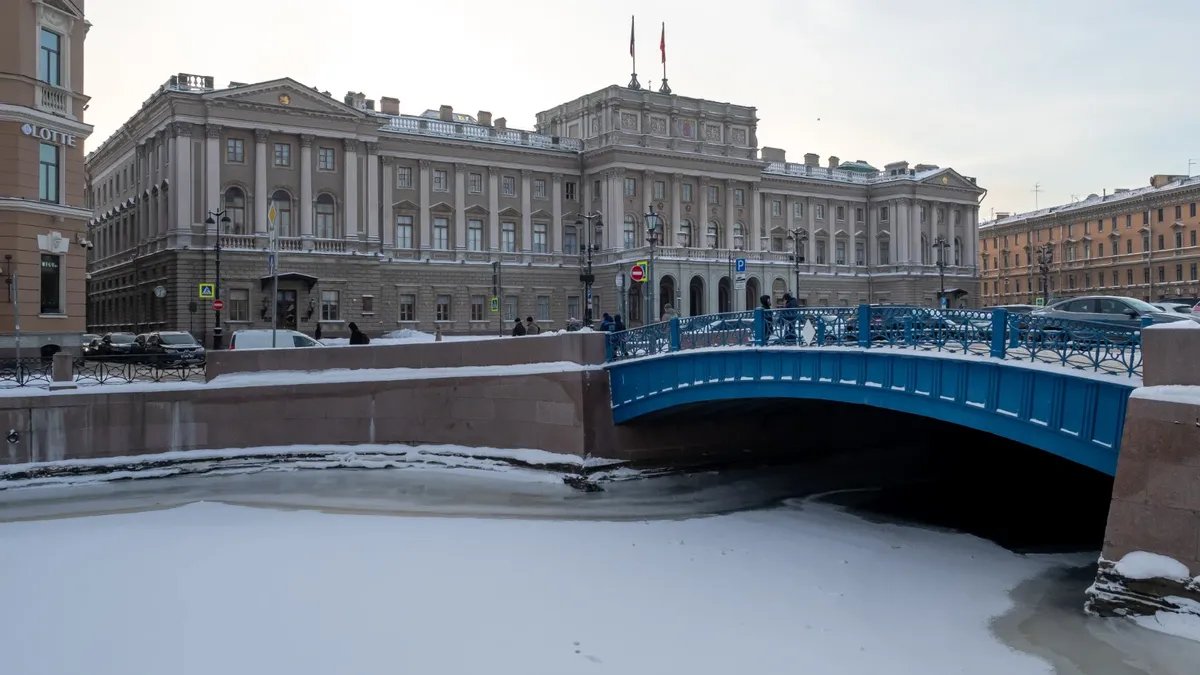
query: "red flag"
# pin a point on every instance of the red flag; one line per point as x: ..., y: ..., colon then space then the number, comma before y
x: 631, y: 35
x: 662, y: 43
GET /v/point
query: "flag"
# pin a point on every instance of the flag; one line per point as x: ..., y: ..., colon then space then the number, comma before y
x: 662, y: 43
x: 631, y: 36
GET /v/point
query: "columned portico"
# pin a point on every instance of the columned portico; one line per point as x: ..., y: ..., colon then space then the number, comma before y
x: 306, y: 191
x: 259, y: 217
x: 350, y: 193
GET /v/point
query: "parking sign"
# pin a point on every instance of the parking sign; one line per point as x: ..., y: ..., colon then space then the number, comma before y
x: 739, y: 265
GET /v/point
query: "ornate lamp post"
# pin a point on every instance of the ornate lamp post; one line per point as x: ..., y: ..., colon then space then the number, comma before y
x: 799, y: 237
x: 1045, y: 256
x: 591, y: 239
x: 653, y: 237
x: 940, y: 243
x: 212, y: 219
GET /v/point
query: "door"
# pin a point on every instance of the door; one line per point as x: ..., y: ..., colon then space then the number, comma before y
x: 1116, y: 311
x: 285, y: 305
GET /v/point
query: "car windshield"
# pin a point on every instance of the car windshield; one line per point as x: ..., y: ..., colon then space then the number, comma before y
x: 184, y: 339
x: 1141, y: 306
x: 121, y: 338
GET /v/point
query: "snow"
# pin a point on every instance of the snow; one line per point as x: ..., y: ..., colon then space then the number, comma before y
x: 1170, y: 393
x: 408, y: 336
x: 1184, y: 625
x: 1145, y: 565
x: 1174, y: 325
x: 214, y: 588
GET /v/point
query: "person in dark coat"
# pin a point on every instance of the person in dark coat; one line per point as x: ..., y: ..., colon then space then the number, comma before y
x: 790, y: 318
x: 357, y: 337
x: 518, y: 328
x: 317, y: 332
x: 764, y: 302
x: 606, y: 323
x: 531, y: 328
x: 618, y: 323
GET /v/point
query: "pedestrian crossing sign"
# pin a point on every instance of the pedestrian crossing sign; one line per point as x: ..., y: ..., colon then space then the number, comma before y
x: 208, y: 291
x: 495, y: 305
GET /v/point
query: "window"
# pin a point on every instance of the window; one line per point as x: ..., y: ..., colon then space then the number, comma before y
x: 685, y: 233
x: 48, y: 180
x: 283, y: 154
x: 442, y: 308
x: 820, y: 251
x: 440, y: 182
x: 860, y: 253
x: 404, y: 177
x: 1116, y: 279
x: 477, y: 308
x: 1178, y: 211
x: 239, y: 304
x: 660, y: 189
x: 329, y: 305
x: 713, y: 236
x: 798, y: 210
x: 739, y: 197
x: 1162, y: 273
x: 508, y: 237
x: 858, y: 214
x: 819, y: 211
x: 1086, y: 226
x: 1128, y: 220
x: 1099, y: 250
x: 474, y: 235
x: 573, y: 307
x: 1087, y: 252
x: 50, y: 58
x: 1129, y: 246
x: 407, y: 309
x: 539, y: 238
x: 404, y: 231
x: 1192, y: 238
x: 475, y: 183
x: 1146, y: 221
x: 1145, y: 243
x: 326, y: 159
x: 283, y: 213
x: 235, y: 208
x: 52, y: 285
x: 714, y: 194
x: 776, y: 207
x: 368, y: 304
x: 510, y: 306
x: 630, y: 232
x: 543, y: 308
x: 841, y: 212
x: 924, y: 214
x: 1192, y: 272
x: 1087, y: 281
x: 569, y: 191
x: 539, y: 188
x: 1160, y: 242
x: 1192, y: 210
x: 509, y: 186
x: 1145, y: 275
x: 1160, y: 215
x: 885, y: 254
x: 686, y: 195
x: 839, y: 252
x: 570, y: 240
x: 630, y: 187
x: 1129, y: 277
x: 441, y: 233
x: 1178, y: 238
x: 1018, y: 286
x: 325, y: 225
x: 1179, y: 273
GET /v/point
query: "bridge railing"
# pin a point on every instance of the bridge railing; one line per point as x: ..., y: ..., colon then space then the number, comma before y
x: 986, y: 333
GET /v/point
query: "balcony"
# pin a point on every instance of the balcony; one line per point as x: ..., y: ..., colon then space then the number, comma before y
x: 55, y: 100
x: 423, y: 126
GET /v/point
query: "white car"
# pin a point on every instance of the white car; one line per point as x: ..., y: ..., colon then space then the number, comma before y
x: 260, y: 338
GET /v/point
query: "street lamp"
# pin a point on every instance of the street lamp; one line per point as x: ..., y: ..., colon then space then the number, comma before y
x: 940, y: 243
x: 653, y: 236
x: 1045, y: 256
x: 592, y: 238
x: 799, y: 237
x: 213, y: 217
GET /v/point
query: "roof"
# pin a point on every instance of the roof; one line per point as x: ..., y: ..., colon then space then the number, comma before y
x: 859, y: 166
x: 1094, y: 201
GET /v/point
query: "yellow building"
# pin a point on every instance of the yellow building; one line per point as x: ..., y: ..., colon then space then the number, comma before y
x: 43, y: 212
x: 1139, y: 243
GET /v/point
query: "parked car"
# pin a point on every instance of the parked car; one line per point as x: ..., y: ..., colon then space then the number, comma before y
x: 717, y: 333
x: 260, y: 338
x: 88, y: 343
x: 117, y: 344
x: 174, y: 347
x: 1113, y: 310
x: 1171, y: 307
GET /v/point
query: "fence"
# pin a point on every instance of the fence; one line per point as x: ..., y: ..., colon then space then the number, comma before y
x: 39, y: 372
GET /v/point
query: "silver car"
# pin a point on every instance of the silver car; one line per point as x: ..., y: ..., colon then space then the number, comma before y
x: 1114, y: 310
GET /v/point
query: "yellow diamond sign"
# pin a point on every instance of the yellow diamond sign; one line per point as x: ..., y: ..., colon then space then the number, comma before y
x: 271, y: 215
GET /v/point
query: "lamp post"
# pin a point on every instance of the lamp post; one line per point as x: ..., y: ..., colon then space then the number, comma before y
x: 653, y: 235
x: 592, y: 239
x: 1045, y: 256
x: 213, y: 218
x: 940, y: 243
x: 799, y: 238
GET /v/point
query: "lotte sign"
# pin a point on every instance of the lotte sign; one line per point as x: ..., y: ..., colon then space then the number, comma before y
x: 218, y: 305
x: 50, y: 135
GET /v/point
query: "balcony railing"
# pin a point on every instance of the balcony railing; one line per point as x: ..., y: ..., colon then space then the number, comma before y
x: 55, y: 100
x: 423, y: 126
x: 329, y: 245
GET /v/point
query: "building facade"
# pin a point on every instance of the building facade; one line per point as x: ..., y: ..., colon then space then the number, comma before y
x: 394, y: 220
x: 1139, y: 243
x: 43, y: 212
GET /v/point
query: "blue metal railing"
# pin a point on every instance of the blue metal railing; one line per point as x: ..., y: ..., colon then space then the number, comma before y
x: 996, y: 333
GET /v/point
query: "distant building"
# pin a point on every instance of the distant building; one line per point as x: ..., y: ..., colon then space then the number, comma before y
x: 1139, y: 243
x: 43, y: 212
x: 393, y: 220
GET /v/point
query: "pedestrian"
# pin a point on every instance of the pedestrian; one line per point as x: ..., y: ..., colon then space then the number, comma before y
x: 791, y: 318
x: 764, y: 303
x: 531, y: 328
x: 317, y: 332
x: 618, y: 323
x: 357, y: 337
x: 518, y: 328
x: 790, y: 302
x: 606, y: 323
x: 669, y: 313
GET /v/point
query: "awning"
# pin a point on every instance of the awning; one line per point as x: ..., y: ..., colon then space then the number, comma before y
x: 955, y: 291
x: 308, y: 280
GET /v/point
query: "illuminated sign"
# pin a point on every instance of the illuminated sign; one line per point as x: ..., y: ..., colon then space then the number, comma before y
x: 49, y: 135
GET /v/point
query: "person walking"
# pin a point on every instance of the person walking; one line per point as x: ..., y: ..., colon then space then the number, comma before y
x: 764, y: 303
x: 357, y: 337
x: 531, y: 328
x: 518, y: 328
x: 606, y: 323
x: 618, y: 323
x: 317, y: 332
x: 669, y: 313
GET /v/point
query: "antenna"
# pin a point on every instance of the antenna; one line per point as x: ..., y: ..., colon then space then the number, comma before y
x: 1037, y: 189
x: 1074, y: 198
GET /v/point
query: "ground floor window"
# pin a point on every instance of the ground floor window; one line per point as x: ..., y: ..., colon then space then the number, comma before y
x: 573, y: 310
x: 543, y: 308
x: 477, y: 302
x: 442, y: 308
x: 368, y: 304
x: 510, y: 307
x: 330, y: 301
x: 407, y: 307
x: 239, y: 304
x: 52, y: 285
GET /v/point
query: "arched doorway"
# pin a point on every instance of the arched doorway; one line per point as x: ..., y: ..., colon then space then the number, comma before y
x: 633, y: 304
x: 666, y: 293
x: 752, y: 293
x: 696, y: 296
x: 724, y: 295
x: 778, y: 288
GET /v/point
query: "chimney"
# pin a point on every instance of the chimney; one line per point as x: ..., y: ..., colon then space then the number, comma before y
x: 1160, y: 179
x: 485, y: 118
x: 812, y: 159
x: 446, y: 113
x: 833, y: 162
x: 370, y: 104
x: 501, y: 124
x: 774, y: 155
x: 389, y: 105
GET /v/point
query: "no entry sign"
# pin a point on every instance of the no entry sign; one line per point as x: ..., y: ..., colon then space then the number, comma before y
x: 637, y: 273
x: 218, y: 305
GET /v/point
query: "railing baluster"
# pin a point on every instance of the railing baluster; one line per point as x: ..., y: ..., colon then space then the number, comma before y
x: 999, y: 328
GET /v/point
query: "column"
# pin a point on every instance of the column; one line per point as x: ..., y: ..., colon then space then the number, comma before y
x: 526, y: 211
x: 871, y: 245
x: 893, y: 231
x: 259, y: 217
x: 585, y: 202
x: 387, y: 222
x: 676, y: 210
x: 702, y: 184
x: 212, y: 170
x: 426, y: 237
x: 950, y: 234
x: 970, y: 240
x: 901, y: 214
x: 610, y: 216
x: 556, y: 214
x: 373, y: 192
x: 493, y: 209
x: 811, y: 216
x: 306, y: 194
x: 460, y: 206
x: 789, y: 213
x: 648, y: 201
x: 730, y: 216
x: 350, y: 191
x: 181, y: 186
x: 914, y: 232
x: 756, y: 222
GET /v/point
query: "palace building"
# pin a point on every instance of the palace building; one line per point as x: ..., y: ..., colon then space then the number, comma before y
x: 394, y: 220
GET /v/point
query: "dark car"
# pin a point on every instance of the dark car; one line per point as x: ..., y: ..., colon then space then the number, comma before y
x: 174, y: 348
x: 1112, y: 310
x: 117, y: 344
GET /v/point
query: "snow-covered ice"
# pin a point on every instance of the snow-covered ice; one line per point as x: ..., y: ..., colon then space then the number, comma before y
x: 1169, y: 393
x: 1146, y: 565
x: 1175, y: 623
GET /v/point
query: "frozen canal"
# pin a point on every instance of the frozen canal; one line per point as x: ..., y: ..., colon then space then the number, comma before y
x: 458, y: 571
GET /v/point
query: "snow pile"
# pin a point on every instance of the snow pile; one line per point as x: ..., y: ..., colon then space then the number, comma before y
x: 1169, y: 393
x: 407, y: 336
x: 291, y: 377
x: 1184, y: 624
x: 1144, y: 565
x: 1173, y: 325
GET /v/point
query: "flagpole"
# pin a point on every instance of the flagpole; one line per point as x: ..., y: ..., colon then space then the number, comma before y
x: 633, y: 81
x: 664, y: 88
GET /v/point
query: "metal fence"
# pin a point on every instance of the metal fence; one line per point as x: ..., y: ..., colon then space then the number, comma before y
x: 995, y: 333
x: 39, y: 372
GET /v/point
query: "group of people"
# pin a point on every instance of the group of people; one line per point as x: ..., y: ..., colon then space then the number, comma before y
x: 527, y: 328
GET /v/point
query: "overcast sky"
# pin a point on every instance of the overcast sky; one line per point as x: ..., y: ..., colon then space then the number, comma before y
x: 1077, y: 95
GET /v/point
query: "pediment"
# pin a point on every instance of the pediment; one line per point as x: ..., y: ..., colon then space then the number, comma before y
x: 820, y: 232
x: 441, y: 207
x: 405, y: 204
x: 509, y: 212
x: 476, y: 210
x: 951, y: 179
x: 541, y: 213
x: 883, y: 234
x: 285, y: 94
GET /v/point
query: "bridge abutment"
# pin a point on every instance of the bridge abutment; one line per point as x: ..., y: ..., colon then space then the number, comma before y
x: 1151, y: 557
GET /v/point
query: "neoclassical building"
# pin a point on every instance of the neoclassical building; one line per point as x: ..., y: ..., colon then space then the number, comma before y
x: 394, y: 220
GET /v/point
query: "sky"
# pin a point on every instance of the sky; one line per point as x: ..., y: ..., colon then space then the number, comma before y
x: 1074, y: 96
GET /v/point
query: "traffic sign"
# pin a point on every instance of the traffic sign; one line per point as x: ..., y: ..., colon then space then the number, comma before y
x: 218, y: 305
x: 740, y: 284
x: 739, y: 265
x: 208, y: 291
x: 495, y: 305
x: 637, y: 273
x: 1040, y: 302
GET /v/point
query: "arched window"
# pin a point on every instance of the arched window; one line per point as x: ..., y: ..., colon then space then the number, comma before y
x: 282, y: 201
x: 235, y: 208
x: 325, y: 226
x: 630, y: 232
x: 958, y: 251
x: 685, y: 233
x: 739, y: 239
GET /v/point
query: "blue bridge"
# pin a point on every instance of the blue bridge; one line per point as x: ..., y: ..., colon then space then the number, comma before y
x: 1056, y: 385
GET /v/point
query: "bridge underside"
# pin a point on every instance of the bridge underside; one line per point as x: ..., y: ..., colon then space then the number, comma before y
x: 1077, y: 417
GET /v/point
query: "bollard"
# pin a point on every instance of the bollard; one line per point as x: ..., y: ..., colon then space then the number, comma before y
x: 674, y: 329
x: 999, y: 332
x: 760, y: 326
x: 63, y: 371
x: 864, y: 325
